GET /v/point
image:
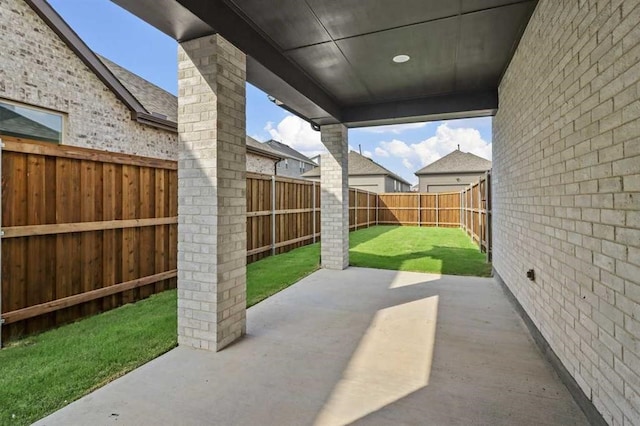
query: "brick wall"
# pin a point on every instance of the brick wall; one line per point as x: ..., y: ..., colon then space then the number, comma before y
x: 567, y: 192
x: 334, y: 198
x: 212, y: 201
x: 38, y: 68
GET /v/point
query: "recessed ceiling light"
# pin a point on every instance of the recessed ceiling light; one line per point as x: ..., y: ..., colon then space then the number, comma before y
x: 399, y: 59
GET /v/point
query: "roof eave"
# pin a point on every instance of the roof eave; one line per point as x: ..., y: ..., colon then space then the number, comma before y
x: 91, y: 60
x: 262, y: 153
x: 152, y: 120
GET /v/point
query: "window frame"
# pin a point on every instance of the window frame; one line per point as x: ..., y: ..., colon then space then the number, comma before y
x: 63, y: 120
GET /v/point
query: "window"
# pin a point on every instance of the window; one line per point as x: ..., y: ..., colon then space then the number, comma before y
x: 301, y: 167
x: 286, y: 163
x: 22, y: 121
x: 395, y: 185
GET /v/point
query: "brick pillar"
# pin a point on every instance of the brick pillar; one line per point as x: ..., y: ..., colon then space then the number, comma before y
x: 334, y: 184
x: 211, y: 193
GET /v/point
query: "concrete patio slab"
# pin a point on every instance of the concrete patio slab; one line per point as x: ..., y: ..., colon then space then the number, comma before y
x: 359, y: 346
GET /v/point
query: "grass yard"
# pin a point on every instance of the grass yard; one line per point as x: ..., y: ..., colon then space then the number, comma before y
x: 42, y: 373
x: 45, y: 372
x: 403, y: 248
x: 272, y: 274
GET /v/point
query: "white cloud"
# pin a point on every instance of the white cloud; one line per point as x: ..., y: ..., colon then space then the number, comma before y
x: 442, y: 143
x: 446, y: 140
x: 408, y: 164
x: 397, y: 148
x: 367, y: 154
x: 394, y: 128
x: 298, y: 134
x: 380, y: 152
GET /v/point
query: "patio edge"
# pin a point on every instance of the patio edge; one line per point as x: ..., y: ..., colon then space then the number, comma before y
x: 590, y: 411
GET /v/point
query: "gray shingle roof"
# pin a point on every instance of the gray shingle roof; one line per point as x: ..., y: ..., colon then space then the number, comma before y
x: 287, y: 151
x: 14, y: 124
x: 153, y: 98
x: 456, y: 162
x: 359, y: 165
x: 262, y: 148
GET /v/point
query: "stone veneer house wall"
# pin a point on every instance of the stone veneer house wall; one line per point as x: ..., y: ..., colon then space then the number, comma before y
x: 261, y: 158
x: 37, y: 68
x: 42, y: 71
x: 566, y: 192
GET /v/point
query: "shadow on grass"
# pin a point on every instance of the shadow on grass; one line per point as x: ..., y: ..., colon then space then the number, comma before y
x: 439, y: 260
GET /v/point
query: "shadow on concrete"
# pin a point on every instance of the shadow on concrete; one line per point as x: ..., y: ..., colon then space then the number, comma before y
x: 354, y: 346
x: 448, y: 260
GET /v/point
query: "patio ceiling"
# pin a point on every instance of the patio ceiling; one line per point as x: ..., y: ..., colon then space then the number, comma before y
x: 331, y: 60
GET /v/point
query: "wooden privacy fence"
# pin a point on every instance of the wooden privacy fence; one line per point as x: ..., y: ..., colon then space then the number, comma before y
x: 476, y: 213
x: 83, y: 231
x: 420, y: 209
x: 284, y: 213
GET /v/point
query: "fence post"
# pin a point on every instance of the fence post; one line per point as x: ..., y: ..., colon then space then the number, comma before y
x: 368, y: 209
x: 472, y: 216
x: 377, y: 207
x: 355, y: 218
x: 1, y: 235
x: 273, y: 215
x: 419, y: 211
x: 437, y: 212
x: 460, y: 209
x: 313, y: 212
x: 466, y: 216
x: 487, y: 212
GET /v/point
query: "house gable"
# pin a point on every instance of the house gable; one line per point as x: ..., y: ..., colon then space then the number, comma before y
x: 42, y: 70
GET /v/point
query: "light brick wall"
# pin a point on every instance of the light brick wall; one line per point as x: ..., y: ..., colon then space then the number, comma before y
x: 259, y: 164
x: 566, y: 192
x: 211, y: 193
x: 334, y: 187
x: 38, y: 68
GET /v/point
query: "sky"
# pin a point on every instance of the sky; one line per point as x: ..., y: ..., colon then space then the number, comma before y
x: 137, y: 46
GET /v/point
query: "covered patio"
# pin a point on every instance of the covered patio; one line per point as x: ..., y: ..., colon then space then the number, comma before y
x: 354, y: 346
x: 561, y: 79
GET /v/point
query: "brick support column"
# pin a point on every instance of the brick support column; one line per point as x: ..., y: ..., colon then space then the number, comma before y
x: 211, y: 193
x: 334, y: 184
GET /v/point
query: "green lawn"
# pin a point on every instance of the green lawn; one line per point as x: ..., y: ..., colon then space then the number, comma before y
x: 404, y: 248
x: 272, y: 274
x: 42, y: 373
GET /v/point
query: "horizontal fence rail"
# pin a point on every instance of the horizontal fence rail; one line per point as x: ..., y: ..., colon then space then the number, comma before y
x: 85, y: 231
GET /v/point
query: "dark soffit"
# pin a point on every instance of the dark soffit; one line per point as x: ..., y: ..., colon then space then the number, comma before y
x: 330, y: 60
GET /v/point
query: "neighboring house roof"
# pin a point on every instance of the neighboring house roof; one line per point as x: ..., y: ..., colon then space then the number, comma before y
x: 359, y: 165
x: 138, y: 111
x: 288, y: 152
x: 456, y: 162
x: 14, y: 124
x: 154, y: 99
x: 262, y: 149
